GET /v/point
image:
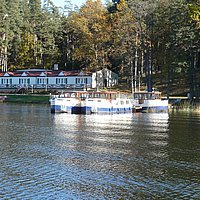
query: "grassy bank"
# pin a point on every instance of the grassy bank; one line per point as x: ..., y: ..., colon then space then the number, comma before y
x: 27, y: 98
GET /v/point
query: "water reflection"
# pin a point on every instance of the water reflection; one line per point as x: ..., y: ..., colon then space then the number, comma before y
x: 122, y: 156
x: 112, y: 140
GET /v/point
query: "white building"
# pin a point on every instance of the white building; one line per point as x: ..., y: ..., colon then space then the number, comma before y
x: 38, y: 78
x: 104, y: 78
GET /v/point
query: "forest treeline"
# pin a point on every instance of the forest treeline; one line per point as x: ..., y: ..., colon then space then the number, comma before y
x: 138, y: 39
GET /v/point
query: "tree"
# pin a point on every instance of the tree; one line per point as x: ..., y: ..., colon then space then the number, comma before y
x: 124, y: 45
x: 26, y: 46
x: 177, y: 45
x: 35, y: 20
x: 15, y: 30
x: 90, y: 35
x: 47, y: 37
x: 144, y: 15
x: 3, y: 35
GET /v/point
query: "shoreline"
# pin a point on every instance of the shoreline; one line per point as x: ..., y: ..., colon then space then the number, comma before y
x: 186, y: 105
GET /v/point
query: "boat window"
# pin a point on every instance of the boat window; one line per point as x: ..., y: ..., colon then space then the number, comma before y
x: 90, y: 95
x: 83, y: 96
x: 157, y: 96
x: 96, y: 95
x: 113, y: 96
x: 73, y: 95
x: 147, y: 95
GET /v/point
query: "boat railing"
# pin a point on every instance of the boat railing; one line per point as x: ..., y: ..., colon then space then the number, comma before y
x: 102, y: 95
x: 93, y: 95
x: 147, y: 95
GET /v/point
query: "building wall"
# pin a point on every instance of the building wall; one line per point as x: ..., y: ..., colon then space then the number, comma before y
x: 104, y: 78
x: 41, y: 81
x: 99, y: 79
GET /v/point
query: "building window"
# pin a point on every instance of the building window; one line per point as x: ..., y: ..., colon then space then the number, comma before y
x: 42, y: 81
x: 24, y: 81
x: 5, y: 81
x: 61, y: 80
x: 57, y: 81
x: 81, y: 80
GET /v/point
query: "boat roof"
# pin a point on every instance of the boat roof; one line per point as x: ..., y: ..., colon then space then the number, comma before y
x: 146, y: 92
x: 97, y: 92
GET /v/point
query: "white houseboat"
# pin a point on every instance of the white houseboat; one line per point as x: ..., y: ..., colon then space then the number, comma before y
x: 107, y: 102
x: 68, y: 102
x: 149, y: 102
x: 91, y: 102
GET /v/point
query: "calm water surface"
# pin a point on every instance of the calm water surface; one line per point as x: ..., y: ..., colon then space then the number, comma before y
x: 125, y: 156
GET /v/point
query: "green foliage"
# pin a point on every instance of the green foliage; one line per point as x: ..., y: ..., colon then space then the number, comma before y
x: 194, y: 12
x: 90, y: 35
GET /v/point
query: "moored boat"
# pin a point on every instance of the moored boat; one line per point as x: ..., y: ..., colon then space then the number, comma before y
x: 68, y: 102
x: 86, y: 102
x: 149, y: 102
x: 3, y: 98
x: 107, y: 102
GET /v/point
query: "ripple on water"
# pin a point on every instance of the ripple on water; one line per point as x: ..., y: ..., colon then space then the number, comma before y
x: 128, y: 156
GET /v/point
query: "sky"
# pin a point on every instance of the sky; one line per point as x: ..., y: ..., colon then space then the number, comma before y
x: 62, y: 2
x: 74, y: 2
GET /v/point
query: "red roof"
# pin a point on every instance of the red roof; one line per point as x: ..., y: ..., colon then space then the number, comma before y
x: 35, y: 73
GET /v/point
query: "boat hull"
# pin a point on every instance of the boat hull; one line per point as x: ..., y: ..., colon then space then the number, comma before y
x: 81, y: 110
x: 155, y: 109
x: 108, y: 106
x: 64, y: 105
x: 150, y: 106
x: 61, y: 109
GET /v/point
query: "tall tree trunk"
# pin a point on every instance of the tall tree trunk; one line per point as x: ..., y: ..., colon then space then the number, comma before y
x: 136, y: 65
x: 132, y: 83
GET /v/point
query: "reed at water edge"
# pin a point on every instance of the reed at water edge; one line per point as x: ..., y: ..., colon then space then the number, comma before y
x: 187, y: 105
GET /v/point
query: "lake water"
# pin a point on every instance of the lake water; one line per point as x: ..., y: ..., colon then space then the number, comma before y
x: 121, y: 156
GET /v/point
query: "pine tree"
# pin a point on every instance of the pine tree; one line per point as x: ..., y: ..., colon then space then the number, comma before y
x: 3, y: 34
x: 15, y: 30
x: 35, y: 19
